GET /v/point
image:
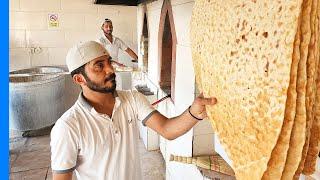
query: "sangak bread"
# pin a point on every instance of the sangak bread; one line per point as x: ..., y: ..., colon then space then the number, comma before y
x: 279, y: 153
x: 242, y: 53
x: 310, y: 90
x: 298, y: 133
x: 314, y: 145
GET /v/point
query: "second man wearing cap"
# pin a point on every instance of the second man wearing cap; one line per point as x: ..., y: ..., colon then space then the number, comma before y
x: 113, y: 43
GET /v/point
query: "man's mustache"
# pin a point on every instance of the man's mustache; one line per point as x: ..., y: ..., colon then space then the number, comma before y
x: 111, y: 77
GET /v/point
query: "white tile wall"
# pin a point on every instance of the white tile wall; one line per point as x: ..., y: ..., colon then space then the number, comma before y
x: 28, y: 20
x: 84, y: 6
x: 40, y: 57
x: 111, y: 9
x: 45, y: 38
x: 19, y: 58
x: 73, y: 37
x: 94, y: 21
x: 17, y: 38
x: 72, y: 21
x: 124, y: 9
x: 40, y: 5
x: 57, y: 56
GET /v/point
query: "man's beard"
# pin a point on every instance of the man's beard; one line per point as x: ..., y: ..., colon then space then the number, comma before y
x: 107, y: 32
x: 96, y: 87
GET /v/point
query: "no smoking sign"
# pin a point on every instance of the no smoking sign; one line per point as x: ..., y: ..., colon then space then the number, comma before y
x: 53, y: 20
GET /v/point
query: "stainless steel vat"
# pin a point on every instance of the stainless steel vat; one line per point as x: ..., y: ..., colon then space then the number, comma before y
x: 36, y: 101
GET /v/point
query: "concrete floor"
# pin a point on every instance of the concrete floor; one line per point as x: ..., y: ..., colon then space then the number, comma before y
x: 30, y: 159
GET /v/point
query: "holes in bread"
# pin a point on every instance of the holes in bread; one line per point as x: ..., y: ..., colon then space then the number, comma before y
x: 292, y: 8
x: 244, y: 24
x: 266, y: 68
x: 277, y: 45
x: 265, y: 34
x: 232, y: 53
x: 243, y: 37
x: 275, y: 32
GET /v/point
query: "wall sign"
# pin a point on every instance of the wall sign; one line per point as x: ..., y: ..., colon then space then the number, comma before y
x: 53, y: 20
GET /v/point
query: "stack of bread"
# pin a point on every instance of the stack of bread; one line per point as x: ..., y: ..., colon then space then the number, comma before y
x: 260, y: 58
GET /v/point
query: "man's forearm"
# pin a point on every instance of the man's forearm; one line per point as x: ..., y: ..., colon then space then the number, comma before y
x: 63, y: 176
x: 174, y: 127
x: 132, y: 54
x: 177, y: 126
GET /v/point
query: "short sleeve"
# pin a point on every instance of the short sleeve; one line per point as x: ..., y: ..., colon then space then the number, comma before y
x: 121, y: 44
x: 64, y: 148
x: 144, y: 109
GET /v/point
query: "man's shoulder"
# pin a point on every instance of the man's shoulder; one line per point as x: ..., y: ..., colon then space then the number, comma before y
x: 68, y: 122
x: 101, y: 39
x: 117, y: 39
x: 127, y: 92
x: 70, y: 116
x: 130, y: 95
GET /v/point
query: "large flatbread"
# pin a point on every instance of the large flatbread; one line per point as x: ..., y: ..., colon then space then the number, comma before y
x: 310, y: 90
x: 298, y: 133
x: 314, y: 145
x: 279, y: 153
x: 244, y: 59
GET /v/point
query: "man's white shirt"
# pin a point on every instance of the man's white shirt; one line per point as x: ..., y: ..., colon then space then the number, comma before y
x: 97, y: 146
x: 113, y: 48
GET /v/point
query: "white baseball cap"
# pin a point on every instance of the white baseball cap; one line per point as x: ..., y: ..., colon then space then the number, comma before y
x: 84, y: 52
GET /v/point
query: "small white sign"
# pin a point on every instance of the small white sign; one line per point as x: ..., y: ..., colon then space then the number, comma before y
x: 53, y: 20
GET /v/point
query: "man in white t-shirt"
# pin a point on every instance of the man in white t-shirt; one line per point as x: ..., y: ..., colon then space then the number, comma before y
x: 97, y: 138
x: 113, y: 43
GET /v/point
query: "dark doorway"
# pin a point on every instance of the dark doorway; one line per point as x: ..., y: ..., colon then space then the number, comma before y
x: 145, y: 43
x: 167, y: 50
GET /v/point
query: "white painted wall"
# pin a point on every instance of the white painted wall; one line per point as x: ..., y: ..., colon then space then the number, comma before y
x: 79, y: 20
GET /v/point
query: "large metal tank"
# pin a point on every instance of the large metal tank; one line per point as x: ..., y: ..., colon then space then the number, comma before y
x: 36, y: 101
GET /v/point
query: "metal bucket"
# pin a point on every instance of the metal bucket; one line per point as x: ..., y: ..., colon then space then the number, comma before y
x: 36, y: 101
